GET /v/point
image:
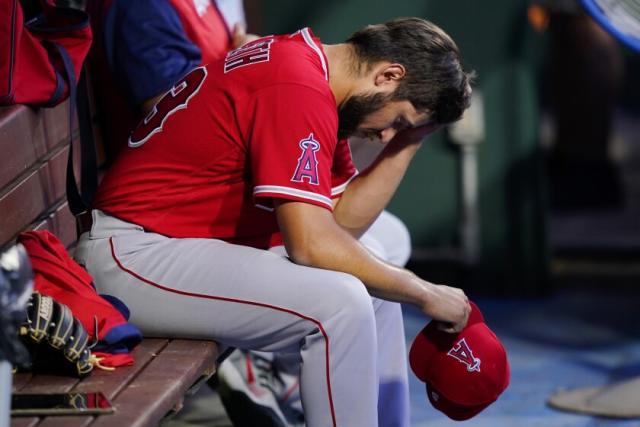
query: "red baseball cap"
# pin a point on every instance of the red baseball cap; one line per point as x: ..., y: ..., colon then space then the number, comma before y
x: 464, y: 372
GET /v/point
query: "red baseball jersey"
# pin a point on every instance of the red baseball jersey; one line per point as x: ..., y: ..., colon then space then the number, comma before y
x: 230, y: 137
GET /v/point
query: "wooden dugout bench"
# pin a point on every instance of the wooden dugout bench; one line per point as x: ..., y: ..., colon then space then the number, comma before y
x: 33, y: 159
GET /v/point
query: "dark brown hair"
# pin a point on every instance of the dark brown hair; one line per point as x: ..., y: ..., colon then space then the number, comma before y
x: 434, y: 80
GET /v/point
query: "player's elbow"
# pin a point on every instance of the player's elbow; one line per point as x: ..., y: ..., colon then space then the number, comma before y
x: 307, y: 231
x: 312, y: 250
x: 302, y: 254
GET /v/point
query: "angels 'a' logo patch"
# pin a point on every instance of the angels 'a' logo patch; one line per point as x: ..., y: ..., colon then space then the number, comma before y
x: 463, y: 353
x: 307, y: 167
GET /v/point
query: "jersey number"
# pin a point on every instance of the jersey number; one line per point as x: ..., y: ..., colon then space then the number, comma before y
x: 172, y: 101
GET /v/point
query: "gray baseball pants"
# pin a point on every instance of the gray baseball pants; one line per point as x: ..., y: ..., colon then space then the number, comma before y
x: 351, y: 346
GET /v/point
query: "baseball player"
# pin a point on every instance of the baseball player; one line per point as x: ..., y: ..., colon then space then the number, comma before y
x: 249, y: 153
x: 141, y: 49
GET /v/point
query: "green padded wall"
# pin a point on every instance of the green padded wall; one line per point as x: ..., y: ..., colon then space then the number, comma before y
x: 496, y: 41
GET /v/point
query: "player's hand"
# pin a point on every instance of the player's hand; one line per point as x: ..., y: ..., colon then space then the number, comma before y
x: 240, y: 37
x: 415, y: 135
x: 448, y: 306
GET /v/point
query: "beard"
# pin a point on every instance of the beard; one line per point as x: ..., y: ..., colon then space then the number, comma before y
x: 353, y: 111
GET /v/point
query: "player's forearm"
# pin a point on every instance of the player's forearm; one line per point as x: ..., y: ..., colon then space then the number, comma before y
x: 313, y: 238
x: 370, y: 192
x: 327, y: 246
x: 340, y: 252
x: 343, y: 253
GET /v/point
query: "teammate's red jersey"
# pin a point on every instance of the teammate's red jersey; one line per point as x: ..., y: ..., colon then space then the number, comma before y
x: 207, y: 161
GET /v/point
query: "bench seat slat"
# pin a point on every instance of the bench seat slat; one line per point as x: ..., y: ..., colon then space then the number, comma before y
x: 112, y: 382
x: 163, y: 383
x: 109, y: 382
x: 41, y: 383
x: 66, y: 421
x: 20, y: 380
x: 24, y: 421
x: 142, y: 394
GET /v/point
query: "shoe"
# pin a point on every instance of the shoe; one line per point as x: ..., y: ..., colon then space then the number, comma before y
x: 255, y: 392
x: 288, y: 396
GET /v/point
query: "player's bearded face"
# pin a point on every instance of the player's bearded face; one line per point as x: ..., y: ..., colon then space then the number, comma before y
x: 354, y: 110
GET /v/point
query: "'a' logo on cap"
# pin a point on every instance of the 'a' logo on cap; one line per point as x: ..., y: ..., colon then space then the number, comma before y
x: 463, y: 353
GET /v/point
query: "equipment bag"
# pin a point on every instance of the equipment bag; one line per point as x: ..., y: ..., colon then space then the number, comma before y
x: 41, y: 57
x: 33, y: 52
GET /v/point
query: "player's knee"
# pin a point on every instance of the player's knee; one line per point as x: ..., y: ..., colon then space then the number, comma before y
x: 355, y: 303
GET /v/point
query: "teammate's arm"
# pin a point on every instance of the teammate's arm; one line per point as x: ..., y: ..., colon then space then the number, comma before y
x: 313, y: 238
x: 370, y: 192
x: 148, y: 49
x: 239, y: 37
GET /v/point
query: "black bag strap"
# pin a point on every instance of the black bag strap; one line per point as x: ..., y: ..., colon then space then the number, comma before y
x: 79, y: 202
x: 89, y: 166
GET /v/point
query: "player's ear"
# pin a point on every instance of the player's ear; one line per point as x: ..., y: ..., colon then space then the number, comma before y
x: 389, y: 73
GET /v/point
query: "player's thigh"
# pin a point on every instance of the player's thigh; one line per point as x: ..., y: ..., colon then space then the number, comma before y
x: 235, y: 294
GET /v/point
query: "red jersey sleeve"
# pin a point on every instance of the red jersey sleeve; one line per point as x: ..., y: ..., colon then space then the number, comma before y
x: 292, y: 145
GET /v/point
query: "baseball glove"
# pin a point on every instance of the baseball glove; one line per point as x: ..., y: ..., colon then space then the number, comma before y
x: 56, y: 340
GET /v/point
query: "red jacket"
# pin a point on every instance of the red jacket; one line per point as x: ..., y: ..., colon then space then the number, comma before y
x: 56, y: 274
